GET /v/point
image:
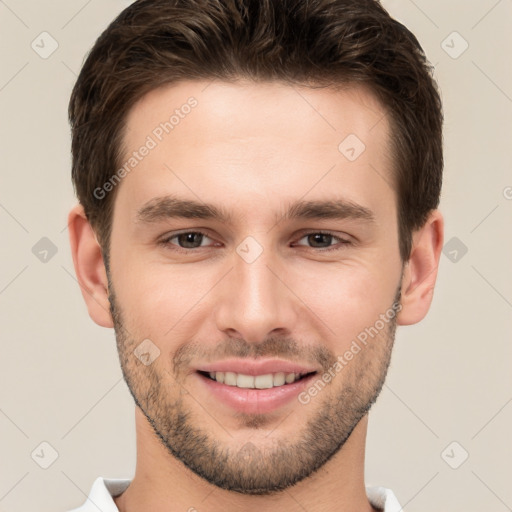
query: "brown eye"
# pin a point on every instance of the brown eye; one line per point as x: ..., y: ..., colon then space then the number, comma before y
x: 188, y: 240
x: 319, y: 238
x: 323, y: 241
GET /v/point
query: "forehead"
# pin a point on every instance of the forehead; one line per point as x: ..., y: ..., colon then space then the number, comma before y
x: 246, y: 108
x: 250, y: 141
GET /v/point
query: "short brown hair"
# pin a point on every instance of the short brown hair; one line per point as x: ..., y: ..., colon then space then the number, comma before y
x: 312, y: 43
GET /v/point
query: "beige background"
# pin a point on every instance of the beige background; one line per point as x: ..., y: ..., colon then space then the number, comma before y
x: 450, y: 377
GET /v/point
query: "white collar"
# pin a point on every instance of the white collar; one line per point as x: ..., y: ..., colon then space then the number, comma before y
x: 104, y: 489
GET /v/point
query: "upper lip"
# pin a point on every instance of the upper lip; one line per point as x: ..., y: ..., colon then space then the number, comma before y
x: 256, y: 366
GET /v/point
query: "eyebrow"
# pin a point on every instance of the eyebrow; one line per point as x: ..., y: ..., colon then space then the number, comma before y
x: 169, y: 207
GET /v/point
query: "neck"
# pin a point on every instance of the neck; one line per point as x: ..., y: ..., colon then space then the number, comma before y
x: 163, y: 484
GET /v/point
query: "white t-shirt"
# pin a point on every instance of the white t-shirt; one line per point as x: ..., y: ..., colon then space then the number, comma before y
x: 103, y: 490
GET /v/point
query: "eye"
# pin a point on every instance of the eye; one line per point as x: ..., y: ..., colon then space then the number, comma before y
x: 186, y: 240
x: 319, y: 238
x: 189, y: 240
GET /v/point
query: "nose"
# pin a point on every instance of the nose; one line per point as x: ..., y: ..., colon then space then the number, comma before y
x: 255, y: 301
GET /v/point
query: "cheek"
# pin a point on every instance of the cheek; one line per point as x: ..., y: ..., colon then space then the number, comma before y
x: 346, y: 298
x: 155, y: 300
x: 337, y: 300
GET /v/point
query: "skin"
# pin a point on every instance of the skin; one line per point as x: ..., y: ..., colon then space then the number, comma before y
x: 252, y: 149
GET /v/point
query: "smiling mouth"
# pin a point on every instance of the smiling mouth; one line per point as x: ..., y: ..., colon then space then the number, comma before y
x: 265, y: 381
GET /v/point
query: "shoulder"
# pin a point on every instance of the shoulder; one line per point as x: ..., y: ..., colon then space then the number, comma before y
x: 101, y: 494
x: 384, y: 499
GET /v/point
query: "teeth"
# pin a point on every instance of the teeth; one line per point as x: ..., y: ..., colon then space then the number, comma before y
x: 280, y: 379
x: 230, y: 378
x: 290, y: 377
x: 244, y: 381
x: 266, y: 381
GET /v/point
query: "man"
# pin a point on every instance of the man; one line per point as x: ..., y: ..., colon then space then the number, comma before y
x: 258, y: 186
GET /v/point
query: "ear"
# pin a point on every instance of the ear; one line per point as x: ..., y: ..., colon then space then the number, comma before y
x: 89, y: 266
x: 420, y: 272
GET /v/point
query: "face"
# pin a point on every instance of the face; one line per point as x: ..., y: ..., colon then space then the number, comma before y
x: 285, y: 267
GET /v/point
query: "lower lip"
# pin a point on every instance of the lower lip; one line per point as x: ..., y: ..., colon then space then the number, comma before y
x: 255, y: 401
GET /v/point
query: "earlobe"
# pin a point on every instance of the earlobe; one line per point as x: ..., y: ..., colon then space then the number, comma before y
x: 89, y: 266
x: 420, y: 272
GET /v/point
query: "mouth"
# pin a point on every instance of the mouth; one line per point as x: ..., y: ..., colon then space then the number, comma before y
x: 254, y: 386
x: 240, y: 392
x: 265, y: 381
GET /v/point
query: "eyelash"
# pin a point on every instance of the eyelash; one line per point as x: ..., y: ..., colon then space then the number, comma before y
x: 166, y: 241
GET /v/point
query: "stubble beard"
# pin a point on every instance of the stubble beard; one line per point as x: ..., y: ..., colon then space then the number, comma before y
x: 252, y: 469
